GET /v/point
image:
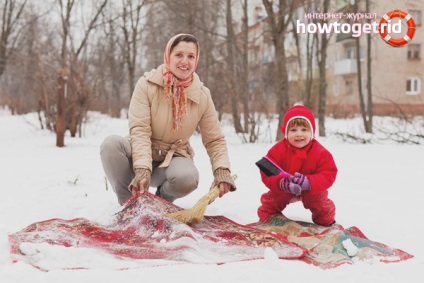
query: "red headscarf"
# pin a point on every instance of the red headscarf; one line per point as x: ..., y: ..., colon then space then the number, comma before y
x: 175, y: 89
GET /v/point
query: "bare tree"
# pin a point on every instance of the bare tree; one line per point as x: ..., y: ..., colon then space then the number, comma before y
x: 45, y: 99
x: 310, y: 57
x: 369, y: 121
x: 110, y: 65
x: 26, y: 82
x: 208, y: 24
x: 41, y: 67
x: 322, y: 42
x: 183, y: 16
x: 62, y: 73
x: 278, y: 22
x: 11, y: 12
x: 365, y: 104
x: 250, y: 120
x: 360, y: 75
x: 237, y: 74
x: 230, y: 78
x: 69, y: 66
x: 152, y: 43
x: 132, y: 29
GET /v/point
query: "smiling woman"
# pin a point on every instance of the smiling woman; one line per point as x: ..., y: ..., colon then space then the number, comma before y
x: 183, y: 60
x: 167, y: 106
x: 182, y: 55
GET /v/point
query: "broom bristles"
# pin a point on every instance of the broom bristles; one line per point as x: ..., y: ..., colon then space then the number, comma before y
x: 194, y: 215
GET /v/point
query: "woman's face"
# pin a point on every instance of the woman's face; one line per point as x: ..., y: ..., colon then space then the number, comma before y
x: 182, y: 61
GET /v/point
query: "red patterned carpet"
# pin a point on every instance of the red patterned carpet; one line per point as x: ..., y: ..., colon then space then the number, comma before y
x: 139, y: 235
x: 141, y: 232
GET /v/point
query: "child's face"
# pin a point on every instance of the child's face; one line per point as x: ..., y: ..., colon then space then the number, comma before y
x: 299, y: 136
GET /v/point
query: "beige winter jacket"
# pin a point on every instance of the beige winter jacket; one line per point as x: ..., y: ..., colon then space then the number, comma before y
x: 150, y: 124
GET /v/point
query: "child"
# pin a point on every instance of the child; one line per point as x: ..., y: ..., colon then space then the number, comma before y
x: 312, y: 166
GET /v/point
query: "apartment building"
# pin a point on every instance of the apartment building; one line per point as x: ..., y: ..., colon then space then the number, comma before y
x: 397, y: 73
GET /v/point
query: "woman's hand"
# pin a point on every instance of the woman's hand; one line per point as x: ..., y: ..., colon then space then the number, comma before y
x: 141, y: 181
x: 223, y: 188
x: 222, y: 177
x: 141, y: 188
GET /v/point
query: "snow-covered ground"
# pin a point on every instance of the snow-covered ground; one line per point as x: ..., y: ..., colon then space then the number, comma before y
x: 379, y: 188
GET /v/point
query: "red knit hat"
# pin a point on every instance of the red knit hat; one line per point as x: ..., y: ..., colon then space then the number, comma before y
x: 298, y: 111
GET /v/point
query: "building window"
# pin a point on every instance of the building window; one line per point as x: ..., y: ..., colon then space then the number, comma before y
x: 336, y: 88
x: 413, y: 86
x: 336, y: 56
x: 349, y: 87
x: 414, y: 51
x: 350, y: 53
x: 416, y: 15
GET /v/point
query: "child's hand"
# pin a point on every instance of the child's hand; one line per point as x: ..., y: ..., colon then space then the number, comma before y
x: 301, y: 180
x: 290, y: 187
x: 295, y: 184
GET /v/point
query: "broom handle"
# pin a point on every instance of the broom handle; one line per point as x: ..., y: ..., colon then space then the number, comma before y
x: 214, y: 193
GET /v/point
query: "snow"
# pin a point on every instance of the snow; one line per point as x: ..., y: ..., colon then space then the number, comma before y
x: 350, y: 247
x: 378, y: 189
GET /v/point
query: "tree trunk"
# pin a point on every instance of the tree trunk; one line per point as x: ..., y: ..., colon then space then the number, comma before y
x: 278, y: 22
x: 322, y: 91
x: 309, y: 70
x: 248, y: 117
x: 282, y: 81
x: 359, y: 76
x: 231, y: 46
x: 369, y: 124
x: 131, y: 16
x: 62, y: 76
x: 8, y: 23
x: 60, y: 114
x: 322, y: 58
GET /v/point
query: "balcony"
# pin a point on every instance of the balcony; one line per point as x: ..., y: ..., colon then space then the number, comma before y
x: 345, y: 67
x: 344, y: 36
x: 340, y: 4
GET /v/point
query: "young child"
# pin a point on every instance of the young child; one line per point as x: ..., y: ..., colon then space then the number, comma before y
x: 312, y: 168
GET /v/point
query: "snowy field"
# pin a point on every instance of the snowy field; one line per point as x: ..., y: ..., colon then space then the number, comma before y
x: 379, y: 189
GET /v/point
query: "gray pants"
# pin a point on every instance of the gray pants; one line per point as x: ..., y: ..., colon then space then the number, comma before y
x: 177, y: 180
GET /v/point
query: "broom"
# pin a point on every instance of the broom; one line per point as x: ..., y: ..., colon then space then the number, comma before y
x: 270, y: 168
x: 194, y: 215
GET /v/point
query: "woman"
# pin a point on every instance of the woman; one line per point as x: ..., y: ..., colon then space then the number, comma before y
x: 167, y: 105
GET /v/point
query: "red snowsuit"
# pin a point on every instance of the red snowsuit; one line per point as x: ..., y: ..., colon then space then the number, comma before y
x: 317, y: 164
